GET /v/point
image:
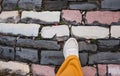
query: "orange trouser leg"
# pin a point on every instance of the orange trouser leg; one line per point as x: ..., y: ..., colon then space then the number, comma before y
x: 70, y: 67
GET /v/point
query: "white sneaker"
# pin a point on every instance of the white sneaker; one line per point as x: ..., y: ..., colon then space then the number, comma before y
x: 70, y: 48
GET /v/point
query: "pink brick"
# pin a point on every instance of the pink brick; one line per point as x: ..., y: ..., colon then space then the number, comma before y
x: 102, y: 69
x: 72, y: 15
x: 114, y: 70
x: 104, y: 17
x: 39, y: 70
x: 89, y: 71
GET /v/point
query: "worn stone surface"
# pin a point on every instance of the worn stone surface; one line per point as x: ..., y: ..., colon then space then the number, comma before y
x: 104, y: 57
x: 45, y: 17
x: 40, y: 70
x: 83, y: 58
x: 41, y: 44
x: 111, y: 4
x: 108, y: 45
x: 115, y: 31
x: 58, y: 31
x: 82, y: 6
x: 102, y: 69
x: 102, y: 17
x: 21, y: 69
x: 72, y: 16
x: 27, y: 55
x: 9, y: 17
x: 52, y: 57
x: 84, y: 46
x: 92, y: 32
x: 20, y: 29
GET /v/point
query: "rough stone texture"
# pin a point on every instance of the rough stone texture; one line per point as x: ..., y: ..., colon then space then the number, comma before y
x: 9, y: 17
x: 39, y: 70
x: 90, y: 32
x: 9, y: 5
x: 110, y: 4
x: 27, y: 55
x: 104, y: 57
x: 6, y: 52
x: 103, y: 17
x: 102, y: 69
x: 58, y: 31
x: 108, y: 45
x: 113, y: 70
x: 83, y: 58
x: 21, y: 69
x: 89, y: 71
x: 20, y: 29
x: 52, y: 57
x: 30, y: 4
x: 72, y: 16
x: 115, y: 31
x: 83, y: 6
x: 40, y: 44
x: 84, y: 46
x: 45, y: 17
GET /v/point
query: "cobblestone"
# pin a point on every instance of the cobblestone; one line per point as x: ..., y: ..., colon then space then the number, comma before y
x: 83, y: 58
x: 115, y: 31
x: 102, y: 69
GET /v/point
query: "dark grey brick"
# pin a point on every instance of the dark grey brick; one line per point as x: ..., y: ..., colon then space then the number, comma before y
x: 83, y: 58
x: 52, y: 57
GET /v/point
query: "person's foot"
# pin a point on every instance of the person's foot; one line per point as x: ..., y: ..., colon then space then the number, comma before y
x: 70, y: 48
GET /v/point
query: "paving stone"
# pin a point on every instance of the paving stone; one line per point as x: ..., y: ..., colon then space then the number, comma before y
x: 108, y: 45
x: 20, y: 29
x: 113, y: 70
x: 52, y: 57
x: 27, y: 55
x: 83, y: 58
x: 30, y: 4
x: 72, y: 16
x: 40, y: 70
x: 21, y: 69
x: 9, y: 5
x: 105, y: 57
x: 89, y: 71
x: 7, y: 52
x: 45, y: 17
x: 40, y: 44
x: 58, y: 31
x: 110, y: 4
x: 84, y: 46
x: 102, y: 69
x: 102, y: 17
x: 90, y: 32
x: 9, y: 17
x: 115, y: 31
x: 82, y: 6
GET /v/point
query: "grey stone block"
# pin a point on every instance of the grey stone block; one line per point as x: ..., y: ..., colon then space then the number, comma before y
x: 52, y: 57
x: 83, y: 58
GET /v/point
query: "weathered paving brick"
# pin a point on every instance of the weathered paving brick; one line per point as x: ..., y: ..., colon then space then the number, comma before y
x: 108, y: 45
x: 103, y: 17
x: 102, y: 69
x: 83, y: 58
x: 104, y: 57
x: 58, y: 31
x: 84, y: 46
x: 115, y: 31
x: 110, y: 4
x: 19, y: 69
x: 90, y: 32
x: 27, y: 55
x: 52, y: 57
x: 40, y: 70
x: 20, y: 29
x: 72, y: 16
x: 9, y: 17
x: 30, y: 4
x: 45, y: 17
x: 113, y: 70
x: 89, y: 71
x: 40, y: 44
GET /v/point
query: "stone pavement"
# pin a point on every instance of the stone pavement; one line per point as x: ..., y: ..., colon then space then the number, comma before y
x: 33, y: 32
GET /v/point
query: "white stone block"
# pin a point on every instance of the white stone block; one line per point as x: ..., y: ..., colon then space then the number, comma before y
x: 59, y: 31
x: 115, y: 31
x: 90, y: 32
x: 20, y: 29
